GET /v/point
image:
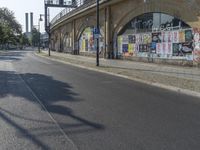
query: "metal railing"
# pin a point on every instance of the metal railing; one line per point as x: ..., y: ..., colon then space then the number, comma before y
x: 80, y: 4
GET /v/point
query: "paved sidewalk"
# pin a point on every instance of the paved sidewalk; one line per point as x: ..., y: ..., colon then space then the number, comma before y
x: 173, y: 76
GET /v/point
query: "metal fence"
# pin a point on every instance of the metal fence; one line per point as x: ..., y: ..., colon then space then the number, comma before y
x: 79, y: 5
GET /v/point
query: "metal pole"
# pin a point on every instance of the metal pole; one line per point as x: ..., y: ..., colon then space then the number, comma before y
x: 49, y: 44
x: 39, y: 35
x: 98, y: 32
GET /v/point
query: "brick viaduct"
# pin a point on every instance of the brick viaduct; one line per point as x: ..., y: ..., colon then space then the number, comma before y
x: 114, y: 15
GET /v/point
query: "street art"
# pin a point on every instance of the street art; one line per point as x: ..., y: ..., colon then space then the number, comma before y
x: 87, y: 41
x: 164, y: 44
x: 196, y: 52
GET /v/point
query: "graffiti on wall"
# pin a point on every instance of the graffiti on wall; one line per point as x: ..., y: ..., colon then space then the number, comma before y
x: 87, y: 43
x: 163, y: 44
x: 196, y: 52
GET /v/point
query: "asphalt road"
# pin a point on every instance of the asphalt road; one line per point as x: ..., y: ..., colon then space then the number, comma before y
x: 49, y: 105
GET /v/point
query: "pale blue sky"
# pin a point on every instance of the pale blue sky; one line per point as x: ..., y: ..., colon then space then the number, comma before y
x: 20, y: 7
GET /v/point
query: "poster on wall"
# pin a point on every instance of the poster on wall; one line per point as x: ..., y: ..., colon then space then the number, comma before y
x: 196, y: 52
x: 176, y: 49
x: 181, y: 36
x: 164, y: 35
x: 137, y: 48
x: 164, y: 48
x: 83, y: 45
x: 156, y: 37
x: 125, y: 48
x: 188, y: 36
x: 196, y: 35
x: 196, y: 56
x: 158, y: 48
x: 130, y: 48
x: 153, y: 47
x: 175, y: 37
x: 169, y: 37
x: 125, y: 39
x: 131, y: 39
x: 147, y: 38
x: 187, y: 47
x: 139, y: 38
x: 181, y: 49
x: 143, y: 48
x: 86, y: 45
x: 169, y: 48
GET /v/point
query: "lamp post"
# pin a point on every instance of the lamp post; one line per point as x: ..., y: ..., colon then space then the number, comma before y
x: 40, y: 19
x: 97, y: 33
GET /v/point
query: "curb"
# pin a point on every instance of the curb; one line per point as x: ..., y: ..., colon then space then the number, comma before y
x: 167, y: 87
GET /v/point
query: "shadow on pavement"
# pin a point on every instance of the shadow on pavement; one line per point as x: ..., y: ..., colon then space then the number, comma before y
x: 54, y: 95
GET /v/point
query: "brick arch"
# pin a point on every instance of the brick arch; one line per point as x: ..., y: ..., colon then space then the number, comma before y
x: 184, y: 13
x: 87, y: 23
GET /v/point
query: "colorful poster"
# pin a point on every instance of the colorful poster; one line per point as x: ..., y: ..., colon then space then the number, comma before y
x: 187, y: 47
x: 175, y: 36
x: 158, y: 48
x: 169, y: 48
x: 131, y: 39
x: 83, y: 45
x: 130, y: 48
x: 137, y: 48
x: 188, y: 36
x: 125, y: 39
x: 176, y: 49
x: 156, y: 37
x: 143, y: 48
x: 153, y: 47
x: 181, y: 36
x: 147, y: 38
x: 170, y: 37
x: 196, y: 37
x: 164, y: 36
x: 164, y: 48
x: 196, y: 56
x: 125, y: 48
x: 181, y: 49
x: 139, y: 38
x: 197, y: 46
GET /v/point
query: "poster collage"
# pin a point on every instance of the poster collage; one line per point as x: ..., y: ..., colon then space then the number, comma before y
x: 196, y: 52
x: 87, y: 42
x: 162, y: 44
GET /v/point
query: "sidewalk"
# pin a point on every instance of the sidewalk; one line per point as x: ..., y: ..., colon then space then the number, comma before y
x: 170, y: 77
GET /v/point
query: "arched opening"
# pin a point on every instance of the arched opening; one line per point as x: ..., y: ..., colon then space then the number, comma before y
x: 156, y: 35
x: 67, y: 43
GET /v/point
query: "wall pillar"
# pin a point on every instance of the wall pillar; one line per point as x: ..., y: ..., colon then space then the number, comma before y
x: 74, y: 49
x: 108, y: 43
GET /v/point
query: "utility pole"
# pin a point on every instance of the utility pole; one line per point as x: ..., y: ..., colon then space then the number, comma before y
x: 39, y: 35
x: 97, y: 33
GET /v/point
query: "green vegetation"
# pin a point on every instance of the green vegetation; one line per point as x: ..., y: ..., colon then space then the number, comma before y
x: 35, y: 37
x: 10, y: 31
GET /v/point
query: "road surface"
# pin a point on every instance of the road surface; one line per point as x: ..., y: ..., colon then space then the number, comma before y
x: 50, y: 105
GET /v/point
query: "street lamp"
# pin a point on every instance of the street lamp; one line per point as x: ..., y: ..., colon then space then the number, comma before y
x: 40, y: 19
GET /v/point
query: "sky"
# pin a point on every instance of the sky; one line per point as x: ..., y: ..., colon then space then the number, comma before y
x: 20, y: 7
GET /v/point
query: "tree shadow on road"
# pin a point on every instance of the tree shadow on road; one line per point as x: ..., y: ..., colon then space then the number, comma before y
x: 55, y: 97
